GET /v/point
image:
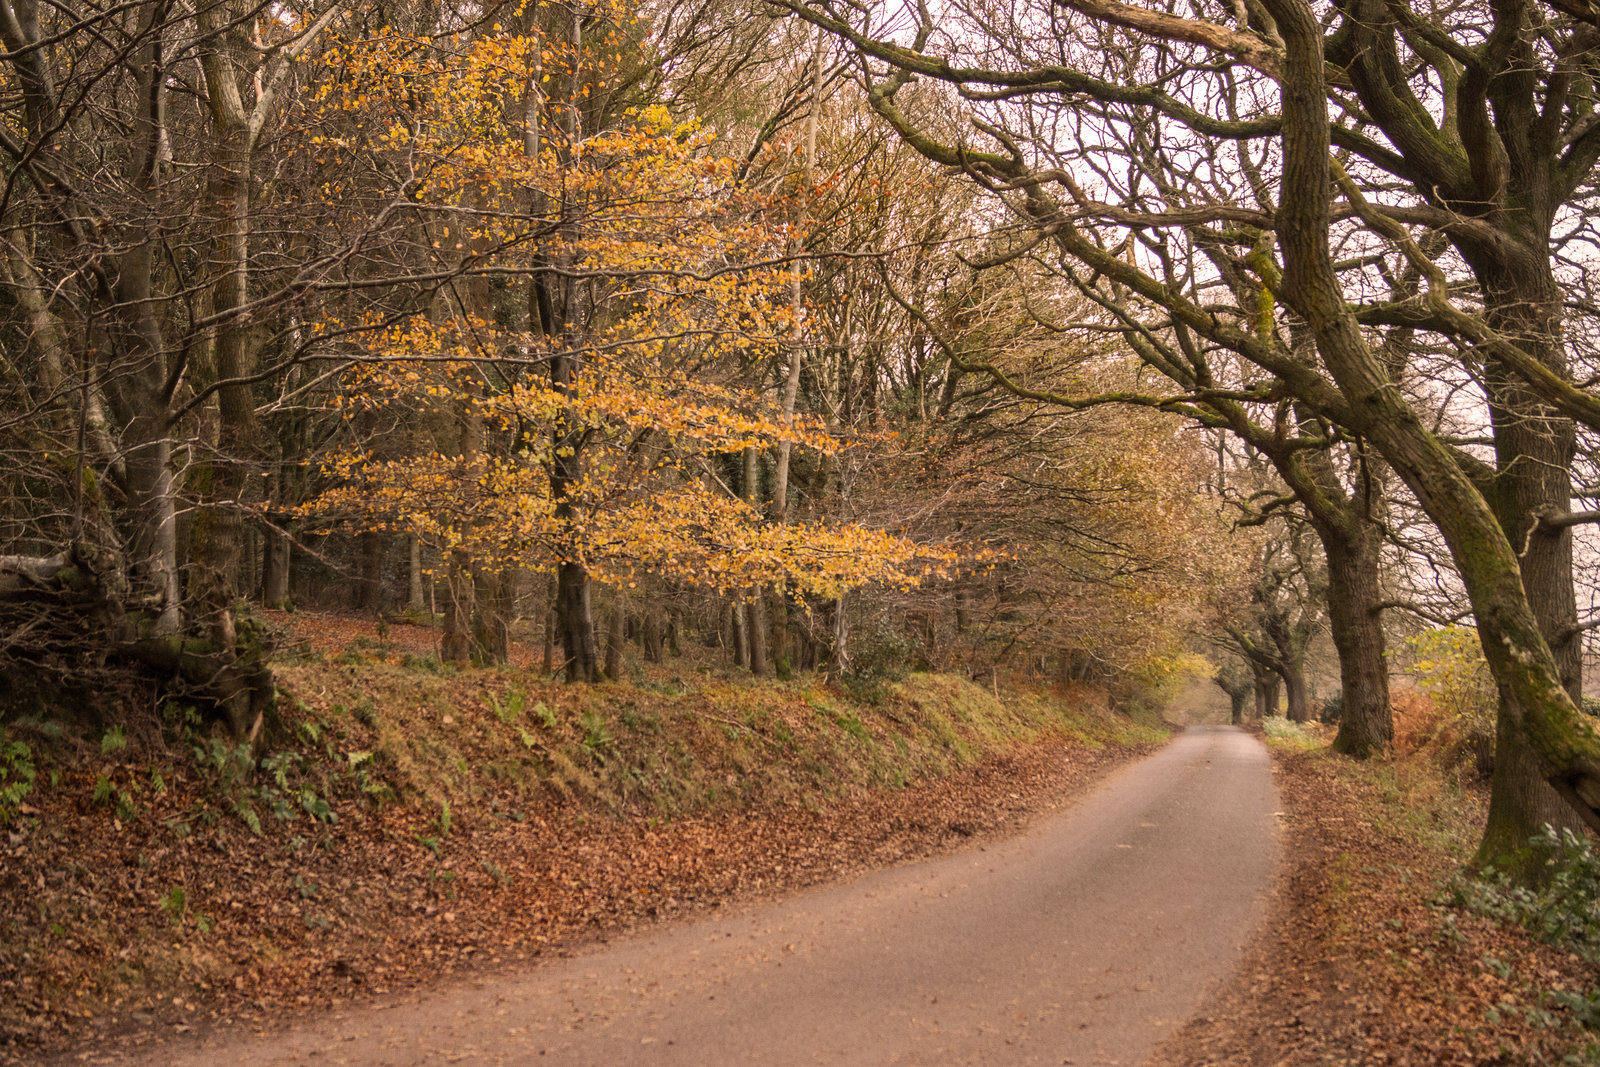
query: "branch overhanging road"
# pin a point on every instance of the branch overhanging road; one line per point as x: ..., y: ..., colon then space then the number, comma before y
x: 1087, y: 939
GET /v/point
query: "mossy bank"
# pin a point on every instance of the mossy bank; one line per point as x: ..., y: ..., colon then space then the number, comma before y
x: 400, y: 821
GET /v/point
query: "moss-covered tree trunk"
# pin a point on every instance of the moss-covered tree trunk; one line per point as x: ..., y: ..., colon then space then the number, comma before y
x: 1366, y: 722
x: 1533, y: 457
x: 1535, y: 704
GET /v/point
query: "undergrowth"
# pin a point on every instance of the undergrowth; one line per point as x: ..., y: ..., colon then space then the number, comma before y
x: 358, y: 737
x: 659, y: 750
x: 1430, y: 797
x: 424, y: 780
x: 1292, y: 735
x: 1563, y: 910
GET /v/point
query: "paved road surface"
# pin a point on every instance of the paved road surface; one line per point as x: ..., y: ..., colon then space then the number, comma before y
x: 1085, y: 940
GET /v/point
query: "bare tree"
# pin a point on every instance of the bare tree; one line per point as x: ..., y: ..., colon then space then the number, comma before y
x: 1327, y: 152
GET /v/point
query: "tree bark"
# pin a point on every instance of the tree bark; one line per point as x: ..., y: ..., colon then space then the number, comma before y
x: 755, y: 616
x: 616, y: 640
x: 1535, y: 704
x: 416, y: 601
x: 1533, y: 451
x: 276, y: 555
x: 651, y: 636
x: 736, y: 625
x: 1292, y: 668
x: 1238, y: 701
x: 778, y: 614
x: 551, y: 623
x: 496, y: 593
x: 556, y: 306
x: 575, y: 625
x: 456, y: 646
x: 1267, y: 688
x: 1366, y: 722
x: 839, y: 653
x: 372, y: 547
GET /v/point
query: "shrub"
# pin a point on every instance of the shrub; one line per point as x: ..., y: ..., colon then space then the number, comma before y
x: 1563, y: 910
x: 879, y: 655
x: 16, y: 775
x: 1290, y: 734
x: 1451, y: 667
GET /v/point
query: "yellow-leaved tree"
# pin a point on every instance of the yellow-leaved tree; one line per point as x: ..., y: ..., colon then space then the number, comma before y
x: 571, y: 389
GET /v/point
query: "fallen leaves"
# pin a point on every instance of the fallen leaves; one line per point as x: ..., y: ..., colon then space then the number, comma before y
x: 305, y: 915
x: 1360, y: 963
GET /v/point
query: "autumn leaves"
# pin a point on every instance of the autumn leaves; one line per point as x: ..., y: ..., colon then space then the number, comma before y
x: 574, y: 394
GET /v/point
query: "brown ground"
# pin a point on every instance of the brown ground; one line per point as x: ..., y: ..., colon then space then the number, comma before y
x: 314, y: 919
x: 1362, y: 962
x: 1081, y: 940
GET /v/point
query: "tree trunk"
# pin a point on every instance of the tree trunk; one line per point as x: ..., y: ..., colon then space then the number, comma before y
x: 495, y: 590
x: 558, y: 309
x: 1238, y: 701
x: 839, y: 654
x: 616, y: 639
x: 1240, y: 688
x: 1533, y: 451
x: 218, y: 549
x: 369, y: 587
x: 575, y: 623
x: 1267, y: 687
x: 136, y: 390
x: 416, y: 601
x: 276, y: 555
x: 1294, y: 686
x: 782, y: 655
x: 456, y: 647
x: 651, y: 637
x: 1534, y: 703
x: 755, y: 615
x: 736, y: 626
x: 1290, y: 665
x: 550, y: 626
x: 1366, y: 723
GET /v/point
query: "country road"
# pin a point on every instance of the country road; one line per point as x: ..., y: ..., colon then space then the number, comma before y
x: 1084, y: 940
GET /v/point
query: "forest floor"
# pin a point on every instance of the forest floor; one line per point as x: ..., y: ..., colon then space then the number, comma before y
x: 413, y: 825
x: 151, y: 888
x: 1081, y: 939
x: 1369, y: 955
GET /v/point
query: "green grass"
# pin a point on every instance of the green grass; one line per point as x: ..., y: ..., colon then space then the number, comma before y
x: 428, y: 739
x: 1291, y: 735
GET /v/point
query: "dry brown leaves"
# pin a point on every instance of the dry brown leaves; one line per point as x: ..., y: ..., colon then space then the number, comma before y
x: 1363, y: 963
x: 311, y: 917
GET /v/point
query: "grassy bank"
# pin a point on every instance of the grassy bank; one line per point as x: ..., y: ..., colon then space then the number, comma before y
x: 665, y: 749
x: 400, y: 821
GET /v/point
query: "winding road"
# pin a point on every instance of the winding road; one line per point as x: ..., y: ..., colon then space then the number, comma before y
x: 1084, y: 940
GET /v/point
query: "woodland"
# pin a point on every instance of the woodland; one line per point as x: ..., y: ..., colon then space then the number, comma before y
x: 1065, y: 342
